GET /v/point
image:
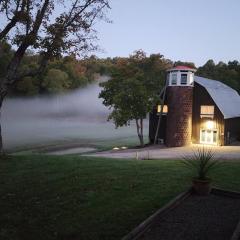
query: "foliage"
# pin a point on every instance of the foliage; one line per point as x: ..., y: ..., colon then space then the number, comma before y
x: 6, y: 54
x: 79, y: 72
x: 27, y: 86
x: 56, y: 81
x: 134, y: 88
x: 202, y: 161
x: 84, y: 71
x: 226, y: 73
x: 50, y: 27
x: 180, y: 63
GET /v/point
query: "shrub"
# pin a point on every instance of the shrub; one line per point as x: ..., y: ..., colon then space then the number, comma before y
x: 202, y: 162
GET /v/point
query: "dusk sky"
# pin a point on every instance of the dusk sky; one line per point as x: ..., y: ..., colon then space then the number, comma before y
x: 187, y: 30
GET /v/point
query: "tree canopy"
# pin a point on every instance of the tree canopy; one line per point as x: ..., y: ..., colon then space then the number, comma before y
x: 132, y: 90
x: 35, y: 25
x: 228, y: 73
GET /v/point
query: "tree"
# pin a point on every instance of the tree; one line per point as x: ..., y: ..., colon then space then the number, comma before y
x: 27, y: 86
x: 226, y: 73
x: 56, y: 81
x: 180, y: 63
x: 29, y: 25
x: 133, y: 89
x: 6, y: 54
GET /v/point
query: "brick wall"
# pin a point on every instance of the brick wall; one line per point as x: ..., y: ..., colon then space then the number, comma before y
x: 179, y: 118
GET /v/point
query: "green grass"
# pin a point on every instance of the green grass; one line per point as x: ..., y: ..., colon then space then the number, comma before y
x: 48, y: 197
x: 100, y: 144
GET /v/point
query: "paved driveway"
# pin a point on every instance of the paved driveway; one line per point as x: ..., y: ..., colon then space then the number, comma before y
x: 161, y: 152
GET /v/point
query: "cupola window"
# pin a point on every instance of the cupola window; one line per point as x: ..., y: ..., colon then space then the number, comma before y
x: 183, y: 79
x: 181, y: 76
x: 174, y: 78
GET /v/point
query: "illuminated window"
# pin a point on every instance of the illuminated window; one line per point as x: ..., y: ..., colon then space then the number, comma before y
x: 183, y: 79
x: 174, y: 79
x: 165, y: 109
x: 208, y: 136
x: 207, y: 111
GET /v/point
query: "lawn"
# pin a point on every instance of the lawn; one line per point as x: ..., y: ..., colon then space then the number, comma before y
x: 71, y: 197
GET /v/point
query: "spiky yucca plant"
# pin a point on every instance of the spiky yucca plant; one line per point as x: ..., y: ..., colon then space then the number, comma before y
x: 202, y: 161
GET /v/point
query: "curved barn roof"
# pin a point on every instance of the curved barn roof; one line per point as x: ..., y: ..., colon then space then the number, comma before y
x: 226, y: 98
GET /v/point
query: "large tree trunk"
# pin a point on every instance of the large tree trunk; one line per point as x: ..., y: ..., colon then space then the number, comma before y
x: 1, y: 142
x: 139, y: 123
x: 29, y: 40
x: 9, y: 79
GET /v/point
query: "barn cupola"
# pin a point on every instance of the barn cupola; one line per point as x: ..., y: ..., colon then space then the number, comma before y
x: 181, y: 76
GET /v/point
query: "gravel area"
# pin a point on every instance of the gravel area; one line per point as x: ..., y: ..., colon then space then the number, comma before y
x: 197, y: 218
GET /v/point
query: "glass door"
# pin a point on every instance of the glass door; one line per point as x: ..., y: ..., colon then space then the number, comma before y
x: 208, y: 136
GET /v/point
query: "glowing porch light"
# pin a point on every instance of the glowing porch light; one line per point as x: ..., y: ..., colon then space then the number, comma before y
x: 209, y: 125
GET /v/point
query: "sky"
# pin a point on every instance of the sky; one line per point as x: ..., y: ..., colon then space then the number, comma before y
x: 186, y: 30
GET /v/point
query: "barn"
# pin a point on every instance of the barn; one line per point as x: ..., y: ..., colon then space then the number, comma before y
x: 195, y: 110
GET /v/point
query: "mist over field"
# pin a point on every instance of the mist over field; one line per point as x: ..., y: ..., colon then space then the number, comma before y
x: 73, y: 116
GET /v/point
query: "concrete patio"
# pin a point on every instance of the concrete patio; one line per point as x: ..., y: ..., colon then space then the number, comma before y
x: 162, y: 152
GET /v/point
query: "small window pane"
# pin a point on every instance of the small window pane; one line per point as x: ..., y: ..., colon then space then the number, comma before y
x: 209, y: 136
x: 183, y: 79
x: 165, y: 109
x: 203, y: 136
x: 174, y: 78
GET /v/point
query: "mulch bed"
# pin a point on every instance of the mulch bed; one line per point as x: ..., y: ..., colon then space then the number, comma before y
x: 212, y: 217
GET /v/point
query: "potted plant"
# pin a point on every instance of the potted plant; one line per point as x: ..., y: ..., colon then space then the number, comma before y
x: 202, y: 162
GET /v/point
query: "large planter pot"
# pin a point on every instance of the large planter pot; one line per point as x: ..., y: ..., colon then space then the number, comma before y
x: 202, y: 187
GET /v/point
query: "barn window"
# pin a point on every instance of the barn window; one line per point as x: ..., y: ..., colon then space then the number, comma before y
x: 207, y: 111
x: 165, y: 109
x: 183, y: 79
x: 174, y: 78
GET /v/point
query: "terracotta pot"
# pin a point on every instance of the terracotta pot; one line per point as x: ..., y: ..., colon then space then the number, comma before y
x: 202, y: 187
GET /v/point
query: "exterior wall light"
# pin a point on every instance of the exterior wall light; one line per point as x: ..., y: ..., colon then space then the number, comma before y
x: 209, y: 125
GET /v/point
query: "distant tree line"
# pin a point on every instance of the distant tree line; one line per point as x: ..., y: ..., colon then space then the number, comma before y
x: 61, y: 74
x: 68, y: 72
x: 228, y: 73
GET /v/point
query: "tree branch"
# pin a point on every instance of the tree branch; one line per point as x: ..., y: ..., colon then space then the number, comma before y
x: 16, y: 18
x: 8, y: 27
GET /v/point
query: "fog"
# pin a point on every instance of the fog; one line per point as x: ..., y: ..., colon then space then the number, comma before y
x: 73, y: 116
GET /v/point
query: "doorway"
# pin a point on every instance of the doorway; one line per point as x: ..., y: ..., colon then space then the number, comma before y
x: 208, y: 136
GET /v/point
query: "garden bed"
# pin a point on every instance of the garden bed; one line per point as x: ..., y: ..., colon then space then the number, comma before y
x: 194, y: 217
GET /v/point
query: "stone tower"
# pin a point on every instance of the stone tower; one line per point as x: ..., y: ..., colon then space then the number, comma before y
x: 179, y: 100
